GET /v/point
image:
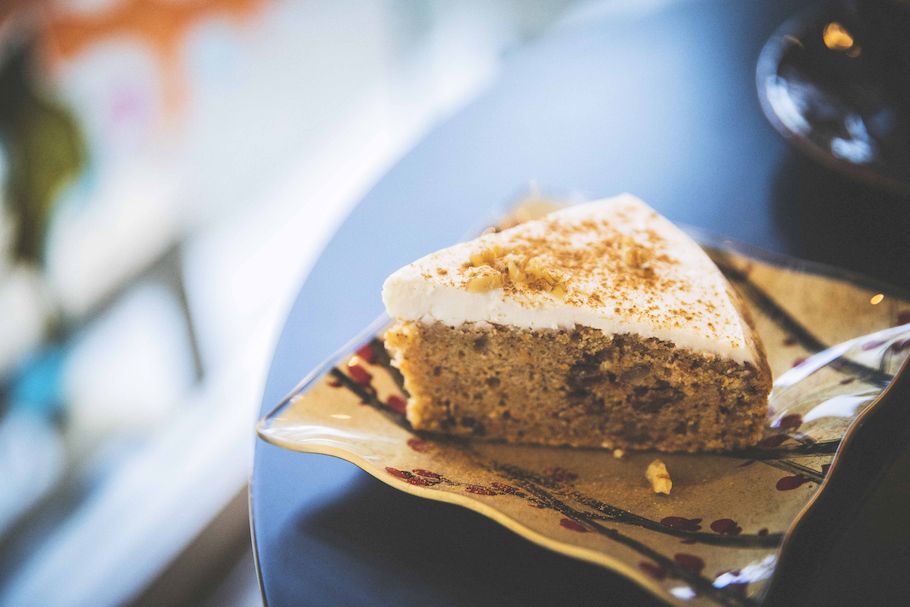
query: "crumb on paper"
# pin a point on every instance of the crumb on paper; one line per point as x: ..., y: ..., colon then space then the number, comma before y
x: 659, y: 478
x: 618, y: 453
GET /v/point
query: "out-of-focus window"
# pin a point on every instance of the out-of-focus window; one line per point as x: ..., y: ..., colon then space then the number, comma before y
x: 169, y: 169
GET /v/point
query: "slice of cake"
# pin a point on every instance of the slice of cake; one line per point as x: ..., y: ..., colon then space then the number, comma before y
x: 599, y: 325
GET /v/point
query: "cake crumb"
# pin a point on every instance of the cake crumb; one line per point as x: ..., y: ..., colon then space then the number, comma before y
x: 659, y: 477
x: 619, y: 453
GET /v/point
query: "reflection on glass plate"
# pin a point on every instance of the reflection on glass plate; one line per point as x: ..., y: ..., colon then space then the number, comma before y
x: 834, y: 344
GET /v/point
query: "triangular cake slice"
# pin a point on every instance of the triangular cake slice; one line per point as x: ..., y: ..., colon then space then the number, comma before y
x: 599, y: 325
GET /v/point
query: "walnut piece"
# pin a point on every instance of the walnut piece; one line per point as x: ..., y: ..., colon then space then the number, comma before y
x: 631, y: 253
x: 637, y: 257
x: 541, y: 268
x: 488, y: 256
x: 659, y: 478
x: 496, y: 266
x: 516, y: 274
x: 484, y: 279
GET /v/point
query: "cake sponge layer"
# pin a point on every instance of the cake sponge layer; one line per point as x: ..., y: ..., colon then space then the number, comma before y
x: 576, y: 386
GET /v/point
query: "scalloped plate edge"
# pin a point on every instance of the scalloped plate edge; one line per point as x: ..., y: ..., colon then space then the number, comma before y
x: 571, y: 550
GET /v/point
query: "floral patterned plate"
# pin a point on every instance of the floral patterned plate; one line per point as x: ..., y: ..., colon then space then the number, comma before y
x: 834, y: 343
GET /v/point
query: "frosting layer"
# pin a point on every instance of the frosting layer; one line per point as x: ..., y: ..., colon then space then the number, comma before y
x: 614, y: 265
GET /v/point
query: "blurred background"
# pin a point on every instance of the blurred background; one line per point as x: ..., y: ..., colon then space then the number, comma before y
x: 169, y: 170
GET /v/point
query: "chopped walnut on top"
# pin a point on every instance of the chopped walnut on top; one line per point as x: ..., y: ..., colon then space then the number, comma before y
x: 484, y: 279
x: 636, y: 256
x: 659, y: 477
x: 497, y: 267
x: 488, y: 256
x: 541, y: 270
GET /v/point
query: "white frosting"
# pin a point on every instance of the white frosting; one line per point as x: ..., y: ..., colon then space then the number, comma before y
x: 692, y: 308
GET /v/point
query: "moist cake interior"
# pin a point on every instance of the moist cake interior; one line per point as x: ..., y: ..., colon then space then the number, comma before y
x: 576, y: 387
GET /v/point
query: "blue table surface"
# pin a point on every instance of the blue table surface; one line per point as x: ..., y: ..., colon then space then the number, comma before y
x: 661, y: 104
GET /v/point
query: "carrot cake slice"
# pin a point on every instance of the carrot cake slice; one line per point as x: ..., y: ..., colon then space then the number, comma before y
x: 598, y: 325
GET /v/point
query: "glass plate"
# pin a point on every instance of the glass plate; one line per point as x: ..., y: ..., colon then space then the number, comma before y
x: 834, y: 343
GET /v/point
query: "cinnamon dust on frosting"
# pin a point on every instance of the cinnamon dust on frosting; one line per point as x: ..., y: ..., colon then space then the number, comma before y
x: 546, y: 262
x: 546, y: 256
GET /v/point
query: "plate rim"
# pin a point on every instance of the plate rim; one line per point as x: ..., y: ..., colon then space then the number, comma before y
x: 498, y: 516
